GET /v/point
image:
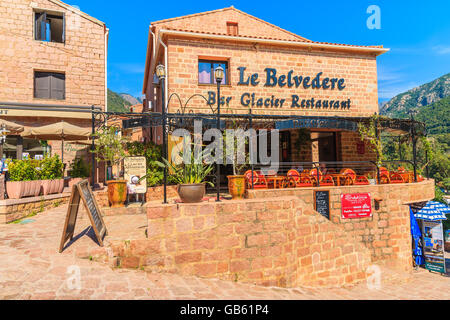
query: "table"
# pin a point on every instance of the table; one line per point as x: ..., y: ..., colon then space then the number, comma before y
x: 277, y: 181
x: 342, y: 179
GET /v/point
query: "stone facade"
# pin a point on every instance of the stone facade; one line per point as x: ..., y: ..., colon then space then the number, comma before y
x: 82, y: 58
x: 387, y: 233
x: 276, y: 238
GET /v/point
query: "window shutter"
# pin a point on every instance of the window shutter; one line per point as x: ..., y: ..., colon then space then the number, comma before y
x: 41, y: 28
x: 57, y: 86
x: 64, y: 28
x: 42, y: 85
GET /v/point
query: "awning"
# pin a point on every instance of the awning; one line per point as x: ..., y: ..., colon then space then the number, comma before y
x: 11, y: 126
x: 431, y: 211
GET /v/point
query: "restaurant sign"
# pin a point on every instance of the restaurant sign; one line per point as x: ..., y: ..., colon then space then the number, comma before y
x: 273, y: 79
x: 135, y: 169
x: 356, y: 205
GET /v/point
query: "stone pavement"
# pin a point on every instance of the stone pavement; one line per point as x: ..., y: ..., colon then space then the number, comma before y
x: 32, y: 268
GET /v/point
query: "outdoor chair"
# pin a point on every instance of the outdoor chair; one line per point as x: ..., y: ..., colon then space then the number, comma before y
x: 325, y: 180
x: 259, y: 181
x: 358, y: 180
x: 297, y: 180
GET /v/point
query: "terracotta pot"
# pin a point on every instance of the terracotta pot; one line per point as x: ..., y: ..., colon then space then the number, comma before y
x: 117, y: 193
x: 60, y: 183
x: 45, y: 185
x: 15, y: 189
x: 191, y: 193
x: 36, y: 187
x: 236, y: 187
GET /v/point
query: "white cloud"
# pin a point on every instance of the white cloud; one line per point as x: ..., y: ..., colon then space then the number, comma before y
x: 442, y: 50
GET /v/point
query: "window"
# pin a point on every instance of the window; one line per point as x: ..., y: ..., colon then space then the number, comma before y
x: 206, y: 71
x: 49, y: 85
x: 49, y: 27
x: 232, y: 28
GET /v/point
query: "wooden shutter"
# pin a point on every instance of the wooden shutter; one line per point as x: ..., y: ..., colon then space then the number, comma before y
x: 42, y: 85
x: 64, y: 28
x: 41, y: 28
x: 58, y: 86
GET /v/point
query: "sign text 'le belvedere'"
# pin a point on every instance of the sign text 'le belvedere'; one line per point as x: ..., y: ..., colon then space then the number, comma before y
x: 289, y: 80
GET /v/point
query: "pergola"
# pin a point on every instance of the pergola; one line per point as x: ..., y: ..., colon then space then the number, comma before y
x: 172, y: 121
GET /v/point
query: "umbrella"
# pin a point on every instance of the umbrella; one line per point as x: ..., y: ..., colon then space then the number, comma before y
x: 11, y: 126
x: 58, y: 131
x: 431, y: 211
x: 9, y: 147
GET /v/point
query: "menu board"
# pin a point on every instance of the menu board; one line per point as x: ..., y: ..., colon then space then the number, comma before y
x: 356, y: 205
x: 135, y: 169
x: 82, y: 191
x: 322, y: 202
x: 433, y: 246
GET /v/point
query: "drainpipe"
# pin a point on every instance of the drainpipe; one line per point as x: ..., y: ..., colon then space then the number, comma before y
x: 106, y: 68
x: 166, y: 94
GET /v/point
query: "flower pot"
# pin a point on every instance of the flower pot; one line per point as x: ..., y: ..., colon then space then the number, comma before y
x: 36, y: 187
x: 236, y: 187
x: 15, y: 189
x: 60, y: 185
x: 191, y: 193
x: 117, y: 193
x: 46, y: 186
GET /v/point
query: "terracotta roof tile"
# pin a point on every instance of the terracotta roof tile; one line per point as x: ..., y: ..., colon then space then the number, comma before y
x: 268, y: 38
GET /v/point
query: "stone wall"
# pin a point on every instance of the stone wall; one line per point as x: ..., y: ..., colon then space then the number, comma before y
x: 271, y: 242
x: 12, y: 209
x: 387, y: 233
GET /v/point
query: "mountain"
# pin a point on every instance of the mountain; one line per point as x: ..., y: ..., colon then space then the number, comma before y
x: 131, y: 99
x: 424, y: 95
x: 436, y: 116
x: 116, y: 103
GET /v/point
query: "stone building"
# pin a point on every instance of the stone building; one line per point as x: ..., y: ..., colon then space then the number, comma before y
x: 268, y: 70
x: 53, y: 68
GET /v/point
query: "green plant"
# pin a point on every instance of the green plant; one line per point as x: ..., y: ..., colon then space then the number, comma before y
x: 233, y: 145
x: 79, y: 168
x: 24, y: 170
x: 110, y: 146
x: 152, y: 154
x: 369, y: 133
x: 189, y: 173
x: 51, y: 168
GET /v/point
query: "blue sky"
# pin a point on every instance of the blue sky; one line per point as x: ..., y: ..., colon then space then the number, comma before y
x: 417, y: 32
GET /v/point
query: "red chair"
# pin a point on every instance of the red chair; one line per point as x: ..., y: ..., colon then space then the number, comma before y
x: 325, y: 180
x: 384, y: 176
x: 396, y: 177
x: 297, y: 180
x: 259, y: 181
x: 355, y: 179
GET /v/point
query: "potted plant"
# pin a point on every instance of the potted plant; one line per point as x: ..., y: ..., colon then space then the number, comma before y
x: 191, y: 177
x: 110, y: 148
x: 79, y: 170
x: 51, y: 174
x: 236, y: 148
x: 23, y: 179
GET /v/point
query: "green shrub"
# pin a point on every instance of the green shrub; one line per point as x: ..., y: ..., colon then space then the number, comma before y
x: 51, y: 168
x: 24, y: 170
x: 153, y: 154
x: 79, y: 168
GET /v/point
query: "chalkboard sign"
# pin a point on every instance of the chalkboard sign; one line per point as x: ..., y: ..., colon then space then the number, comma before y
x: 83, y: 191
x: 322, y: 202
